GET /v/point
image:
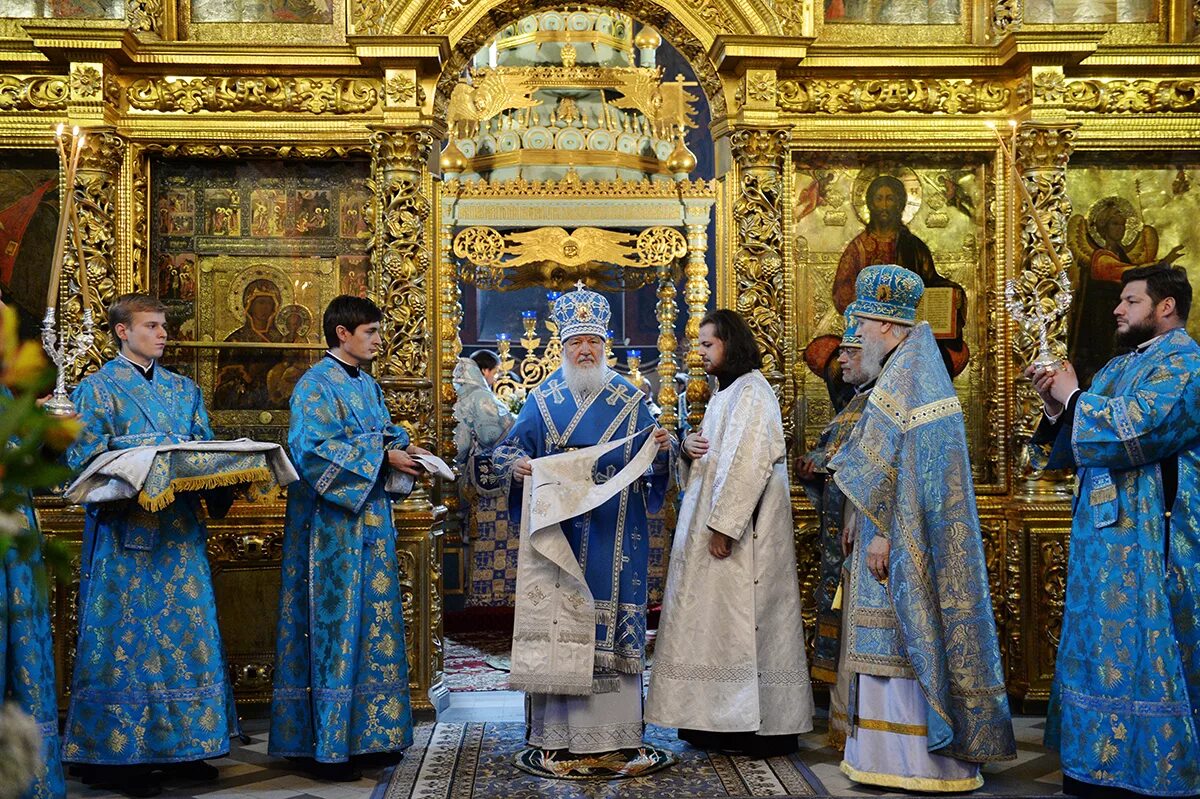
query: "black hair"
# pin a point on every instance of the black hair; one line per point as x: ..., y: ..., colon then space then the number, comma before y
x: 485, y: 359
x: 1162, y: 281
x: 741, y: 350
x: 348, y: 312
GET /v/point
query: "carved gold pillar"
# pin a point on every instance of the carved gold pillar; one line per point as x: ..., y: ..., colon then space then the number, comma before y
x: 1042, y: 153
x: 401, y: 260
x: 667, y: 347
x: 758, y: 260
x: 695, y: 294
x: 95, y: 190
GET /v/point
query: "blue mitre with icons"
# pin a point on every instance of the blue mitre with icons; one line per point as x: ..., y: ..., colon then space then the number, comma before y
x: 581, y: 312
x: 888, y: 293
x: 851, y: 339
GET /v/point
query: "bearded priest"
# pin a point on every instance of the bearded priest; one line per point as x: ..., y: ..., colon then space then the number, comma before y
x: 582, y: 404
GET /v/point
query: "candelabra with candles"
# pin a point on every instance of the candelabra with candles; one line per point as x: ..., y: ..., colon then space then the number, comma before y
x: 65, y: 351
x: 1040, y: 319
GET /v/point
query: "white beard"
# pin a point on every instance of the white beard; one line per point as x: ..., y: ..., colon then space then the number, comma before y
x: 585, y: 381
x: 873, y: 353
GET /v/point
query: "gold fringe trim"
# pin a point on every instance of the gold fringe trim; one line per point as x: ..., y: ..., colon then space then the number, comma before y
x: 912, y: 783
x: 156, y: 503
x: 614, y: 662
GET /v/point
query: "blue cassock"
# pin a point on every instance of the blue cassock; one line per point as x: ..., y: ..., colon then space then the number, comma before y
x: 27, y: 653
x: 611, y: 542
x: 150, y: 683
x: 341, y: 669
x: 1126, y: 696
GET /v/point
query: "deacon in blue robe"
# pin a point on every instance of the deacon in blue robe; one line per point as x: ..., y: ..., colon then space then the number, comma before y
x: 150, y: 684
x: 1125, y: 701
x: 341, y: 669
x: 611, y: 542
x: 27, y: 651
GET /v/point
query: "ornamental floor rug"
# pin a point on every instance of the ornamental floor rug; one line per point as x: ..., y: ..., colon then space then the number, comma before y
x: 476, y: 760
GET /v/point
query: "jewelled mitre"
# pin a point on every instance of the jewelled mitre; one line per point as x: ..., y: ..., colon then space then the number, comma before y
x: 887, y: 292
x: 582, y: 312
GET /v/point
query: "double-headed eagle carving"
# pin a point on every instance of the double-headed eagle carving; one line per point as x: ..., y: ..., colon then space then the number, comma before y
x: 492, y: 93
x: 667, y: 105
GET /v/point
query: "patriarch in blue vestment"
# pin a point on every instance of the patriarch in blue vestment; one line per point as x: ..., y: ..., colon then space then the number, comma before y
x: 927, y: 701
x: 1125, y: 701
x: 341, y: 667
x: 581, y: 404
x: 150, y: 688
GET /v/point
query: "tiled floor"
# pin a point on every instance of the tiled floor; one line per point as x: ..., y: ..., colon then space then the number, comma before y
x: 250, y: 773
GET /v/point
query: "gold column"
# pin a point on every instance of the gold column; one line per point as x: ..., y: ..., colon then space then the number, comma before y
x: 695, y: 294
x: 1041, y: 154
x: 667, y: 345
x: 401, y: 256
x: 96, y: 191
x: 758, y: 261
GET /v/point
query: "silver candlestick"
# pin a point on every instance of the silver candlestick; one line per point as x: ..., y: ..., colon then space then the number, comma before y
x: 1039, y: 321
x: 64, y: 354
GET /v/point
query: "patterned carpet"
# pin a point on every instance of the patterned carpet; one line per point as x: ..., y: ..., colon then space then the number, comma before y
x: 475, y: 761
x: 477, y: 661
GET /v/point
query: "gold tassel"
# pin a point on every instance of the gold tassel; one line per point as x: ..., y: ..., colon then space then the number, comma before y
x: 156, y: 503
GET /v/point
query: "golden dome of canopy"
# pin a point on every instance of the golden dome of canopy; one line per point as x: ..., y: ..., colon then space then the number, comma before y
x: 453, y: 161
x: 681, y: 161
x: 647, y: 39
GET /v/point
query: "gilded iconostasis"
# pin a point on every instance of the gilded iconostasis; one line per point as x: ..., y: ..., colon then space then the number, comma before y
x: 247, y: 160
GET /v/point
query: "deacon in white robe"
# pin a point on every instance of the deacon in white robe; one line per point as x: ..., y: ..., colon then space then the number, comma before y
x: 729, y: 666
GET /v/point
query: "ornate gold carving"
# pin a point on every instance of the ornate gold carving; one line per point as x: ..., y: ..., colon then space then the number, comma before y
x: 572, y: 186
x: 367, y: 16
x: 401, y: 89
x: 1042, y: 155
x: 494, y: 91
x: 1052, y: 588
x: 480, y: 245
x: 87, y: 82
x: 139, y: 221
x: 200, y: 150
x: 695, y: 294
x: 660, y: 246
x: 1007, y: 15
x: 667, y: 105
x: 913, y: 95
x: 96, y: 189
x: 758, y: 261
x: 1098, y: 96
x: 33, y: 93
x: 667, y: 345
x: 276, y: 94
x: 401, y: 257
x: 145, y: 16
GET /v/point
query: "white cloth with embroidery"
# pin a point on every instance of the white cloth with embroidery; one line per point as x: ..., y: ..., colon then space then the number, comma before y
x: 729, y: 656
x: 554, y: 629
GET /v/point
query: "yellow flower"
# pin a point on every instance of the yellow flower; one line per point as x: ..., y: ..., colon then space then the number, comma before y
x: 25, y: 367
x: 61, y: 432
x: 8, y: 332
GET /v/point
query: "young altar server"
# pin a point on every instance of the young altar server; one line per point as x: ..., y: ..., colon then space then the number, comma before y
x: 341, y: 670
x: 150, y: 690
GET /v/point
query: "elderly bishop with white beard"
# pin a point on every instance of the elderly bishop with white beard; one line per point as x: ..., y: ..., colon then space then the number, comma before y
x: 729, y: 665
x: 597, y: 727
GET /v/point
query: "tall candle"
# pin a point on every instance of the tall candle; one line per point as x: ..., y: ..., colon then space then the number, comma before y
x: 60, y: 238
x: 84, y: 288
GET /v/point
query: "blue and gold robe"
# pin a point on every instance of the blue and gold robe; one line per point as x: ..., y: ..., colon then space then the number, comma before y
x: 150, y: 683
x: 1125, y: 701
x: 341, y: 669
x: 611, y: 542
x: 907, y: 472
x: 27, y: 653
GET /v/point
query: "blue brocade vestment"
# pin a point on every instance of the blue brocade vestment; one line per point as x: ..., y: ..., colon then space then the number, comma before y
x: 341, y: 669
x: 611, y: 542
x: 27, y: 654
x: 150, y: 683
x: 1125, y: 702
